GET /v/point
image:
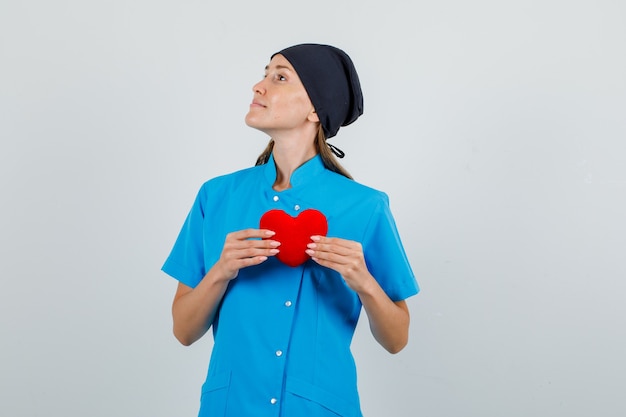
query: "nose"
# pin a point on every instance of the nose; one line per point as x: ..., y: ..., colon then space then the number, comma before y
x: 259, y: 87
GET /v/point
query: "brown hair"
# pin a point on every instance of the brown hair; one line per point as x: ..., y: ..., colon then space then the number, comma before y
x: 328, y: 158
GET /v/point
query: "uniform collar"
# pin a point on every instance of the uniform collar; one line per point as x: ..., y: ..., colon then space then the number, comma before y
x: 304, y: 174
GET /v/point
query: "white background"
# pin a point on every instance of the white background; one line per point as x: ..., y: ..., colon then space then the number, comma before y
x: 496, y: 127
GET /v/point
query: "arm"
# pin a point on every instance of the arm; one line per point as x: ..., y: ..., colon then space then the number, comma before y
x: 388, y: 320
x: 193, y: 309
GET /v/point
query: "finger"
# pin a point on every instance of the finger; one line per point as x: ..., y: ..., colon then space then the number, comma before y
x: 258, y: 244
x: 328, y: 264
x: 233, y: 244
x: 251, y: 234
x: 243, y: 263
x: 327, y: 239
x: 336, y: 241
x: 328, y: 257
x: 251, y: 244
x: 333, y: 248
x: 252, y: 252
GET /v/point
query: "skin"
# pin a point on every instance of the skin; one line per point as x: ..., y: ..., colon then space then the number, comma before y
x: 282, y: 109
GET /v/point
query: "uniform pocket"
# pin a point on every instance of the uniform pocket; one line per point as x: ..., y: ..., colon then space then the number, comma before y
x: 215, y: 395
x: 310, y: 400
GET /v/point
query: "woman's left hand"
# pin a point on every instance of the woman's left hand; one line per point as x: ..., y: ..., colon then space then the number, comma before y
x: 344, y: 256
x: 389, y: 321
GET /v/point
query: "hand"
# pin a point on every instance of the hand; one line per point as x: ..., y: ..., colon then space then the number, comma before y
x: 245, y: 248
x: 344, y: 256
x: 389, y: 321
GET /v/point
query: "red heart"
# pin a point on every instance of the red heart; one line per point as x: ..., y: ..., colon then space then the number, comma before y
x: 294, y: 233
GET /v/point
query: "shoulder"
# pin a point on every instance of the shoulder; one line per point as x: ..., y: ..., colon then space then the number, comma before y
x: 235, y: 179
x: 345, y: 188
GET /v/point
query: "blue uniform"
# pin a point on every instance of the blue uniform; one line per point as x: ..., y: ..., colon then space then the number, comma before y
x: 282, y: 334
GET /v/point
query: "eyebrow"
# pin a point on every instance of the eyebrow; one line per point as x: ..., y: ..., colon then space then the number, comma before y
x: 267, y: 67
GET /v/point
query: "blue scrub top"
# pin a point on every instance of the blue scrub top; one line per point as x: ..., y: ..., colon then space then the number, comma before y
x: 282, y: 334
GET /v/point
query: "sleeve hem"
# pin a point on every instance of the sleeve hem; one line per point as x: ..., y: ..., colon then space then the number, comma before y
x: 180, y: 273
x: 405, y: 293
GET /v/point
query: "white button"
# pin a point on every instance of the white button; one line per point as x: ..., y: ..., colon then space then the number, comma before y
x: 279, y: 353
x: 287, y: 303
x: 273, y: 401
x: 275, y: 198
x: 296, y: 207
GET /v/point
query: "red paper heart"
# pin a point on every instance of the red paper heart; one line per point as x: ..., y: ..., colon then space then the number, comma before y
x: 294, y: 233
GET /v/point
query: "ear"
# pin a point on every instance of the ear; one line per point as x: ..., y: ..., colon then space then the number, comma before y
x: 313, y: 117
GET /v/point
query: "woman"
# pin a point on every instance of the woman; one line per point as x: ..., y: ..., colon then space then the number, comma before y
x: 282, y: 333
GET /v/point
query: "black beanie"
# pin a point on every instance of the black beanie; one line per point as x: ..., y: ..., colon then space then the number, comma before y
x: 330, y: 80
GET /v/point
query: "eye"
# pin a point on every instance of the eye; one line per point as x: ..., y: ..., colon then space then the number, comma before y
x: 281, y: 77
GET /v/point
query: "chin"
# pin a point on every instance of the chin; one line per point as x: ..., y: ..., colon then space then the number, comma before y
x: 256, y: 126
x: 251, y: 122
x: 254, y: 123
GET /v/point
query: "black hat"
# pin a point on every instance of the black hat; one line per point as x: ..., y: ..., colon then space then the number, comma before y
x: 330, y: 80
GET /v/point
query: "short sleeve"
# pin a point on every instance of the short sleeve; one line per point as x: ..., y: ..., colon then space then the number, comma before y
x: 186, y: 260
x: 385, y: 255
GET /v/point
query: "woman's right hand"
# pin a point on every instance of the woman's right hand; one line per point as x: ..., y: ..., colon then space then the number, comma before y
x: 245, y: 248
x: 194, y: 309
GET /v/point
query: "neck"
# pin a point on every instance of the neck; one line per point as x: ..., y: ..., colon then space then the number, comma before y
x: 288, y: 157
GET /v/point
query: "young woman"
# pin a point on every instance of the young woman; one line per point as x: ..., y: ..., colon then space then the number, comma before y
x: 282, y: 333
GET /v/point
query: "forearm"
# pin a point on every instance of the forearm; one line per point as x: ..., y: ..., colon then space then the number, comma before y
x: 194, y: 310
x: 388, y: 320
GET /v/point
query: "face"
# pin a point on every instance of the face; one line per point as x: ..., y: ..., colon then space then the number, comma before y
x: 280, y: 103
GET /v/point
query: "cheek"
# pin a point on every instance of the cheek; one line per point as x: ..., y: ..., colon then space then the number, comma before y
x: 301, y: 106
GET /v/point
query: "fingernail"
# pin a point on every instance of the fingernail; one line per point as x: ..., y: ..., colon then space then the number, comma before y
x: 269, y: 233
x: 309, y: 252
x: 315, y: 238
x: 274, y: 243
x: 311, y: 245
x: 274, y: 251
